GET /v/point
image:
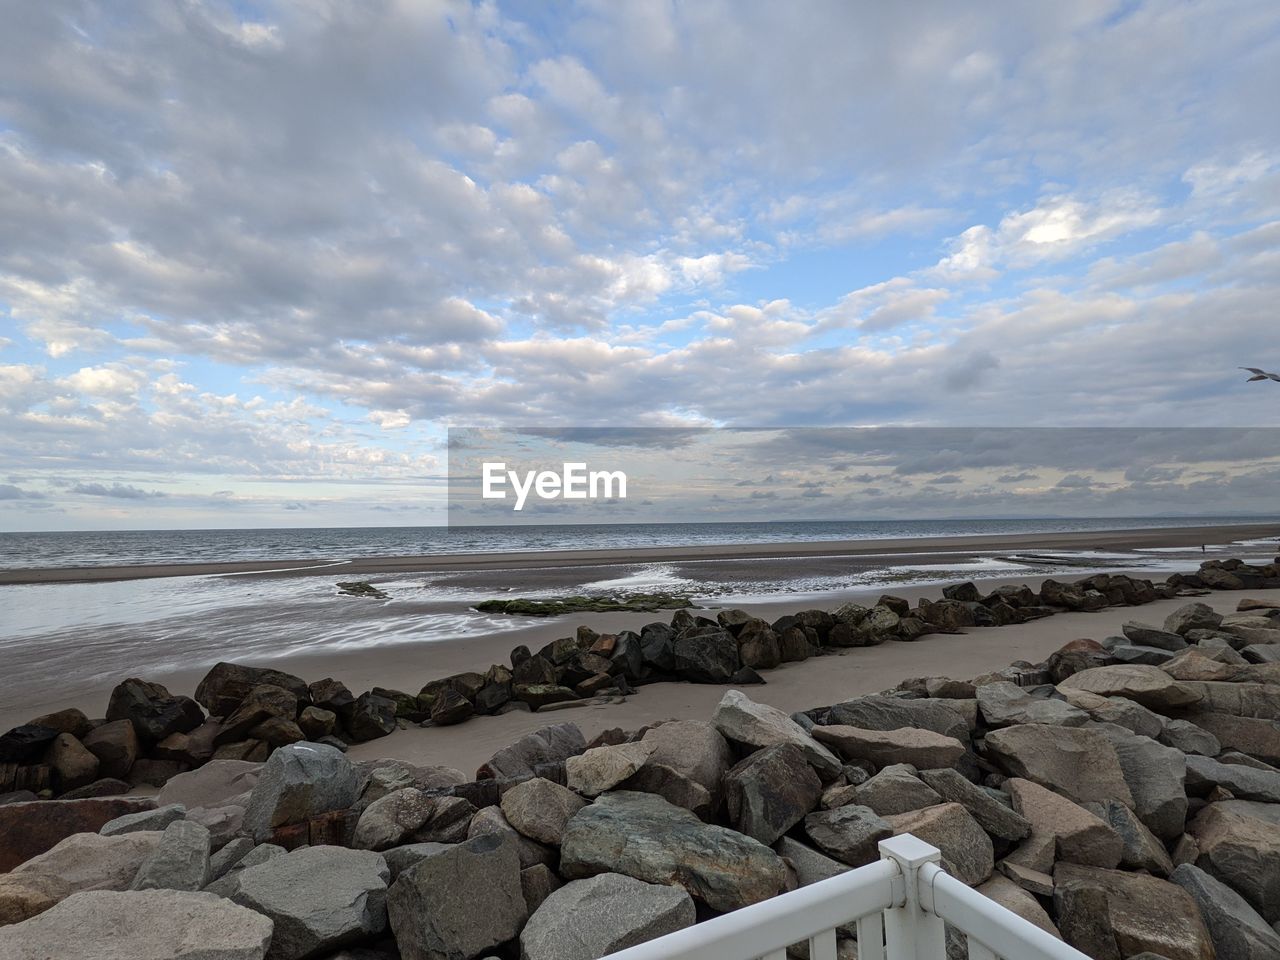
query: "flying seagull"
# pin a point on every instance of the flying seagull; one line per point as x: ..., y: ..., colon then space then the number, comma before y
x: 1261, y: 375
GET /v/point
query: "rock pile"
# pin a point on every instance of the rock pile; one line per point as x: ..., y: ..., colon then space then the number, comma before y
x: 1133, y: 809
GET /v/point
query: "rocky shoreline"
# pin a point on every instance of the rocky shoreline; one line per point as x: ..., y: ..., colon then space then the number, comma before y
x: 1124, y: 794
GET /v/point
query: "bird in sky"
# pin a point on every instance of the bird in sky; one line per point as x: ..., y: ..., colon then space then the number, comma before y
x: 1261, y: 375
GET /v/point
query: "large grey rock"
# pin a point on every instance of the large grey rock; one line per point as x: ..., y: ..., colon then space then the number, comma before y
x: 1154, y: 775
x: 1005, y: 703
x: 645, y: 837
x: 1236, y: 697
x: 1149, y: 636
x: 594, y: 771
x: 895, y: 789
x: 156, y: 819
x: 553, y: 744
x: 752, y: 724
x: 1117, y: 710
x: 1186, y: 736
x: 179, y: 862
x: 540, y: 809
x: 1018, y: 901
x: 1238, y: 931
x: 993, y: 816
x: 1242, y: 851
x: 230, y: 856
x: 459, y: 903
x: 921, y: 748
x: 492, y: 820
x: 967, y: 853
x: 892, y: 713
x: 320, y: 899
x: 400, y: 859
x: 770, y: 791
x: 297, y: 782
x: 1077, y: 762
x: 227, y: 884
x: 139, y: 925
x: 1245, y: 783
x: 1077, y: 835
x: 87, y: 861
x: 1136, y: 913
x: 1144, y: 684
x: 1257, y: 737
x: 1142, y: 848
x: 1192, y: 616
x: 588, y: 919
x: 693, y: 748
x: 851, y: 833
x: 211, y: 785
x: 411, y: 815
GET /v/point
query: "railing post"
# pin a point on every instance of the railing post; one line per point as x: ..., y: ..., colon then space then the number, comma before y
x: 911, y: 931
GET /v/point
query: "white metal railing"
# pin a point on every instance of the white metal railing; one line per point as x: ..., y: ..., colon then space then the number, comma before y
x: 900, y: 904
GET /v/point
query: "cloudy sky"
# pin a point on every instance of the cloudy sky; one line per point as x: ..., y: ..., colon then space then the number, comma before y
x: 256, y: 258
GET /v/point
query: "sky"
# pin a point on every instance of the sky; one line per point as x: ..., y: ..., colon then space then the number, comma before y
x: 257, y: 258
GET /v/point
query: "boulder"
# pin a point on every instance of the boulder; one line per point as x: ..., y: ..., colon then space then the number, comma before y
x: 212, y: 785
x: 23, y: 896
x: 410, y: 815
x: 537, y: 883
x: 967, y: 853
x: 540, y: 809
x: 179, y: 862
x: 993, y: 816
x: 116, y: 747
x: 1186, y: 736
x: 26, y: 743
x: 1078, y: 836
x: 1142, y: 914
x: 895, y: 789
x: 1255, y: 737
x: 921, y: 748
x: 224, y: 686
x: 157, y: 819
x: 229, y: 882
x: 1244, y: 782
x: 329, y: 694
x: 371, y: 717
x: 400, y: 859
x: 694, y: 749
x: 707, y: 656
x: 319, y: 898
x: 602, y: 768
x: 1005, y: 703
x: 491, y: 820
x: 229, y: 857
x: 1015, y: 898
x: 32, y: 828
x: 1147, y: 685
x: 1237, y: 930
x: 1142, y: 848
x: 1243, y: 851
x: 140, y: 925
x: 553, y: 744
x: 459, y: 903
x: 451, y: 707
x: 743, y: 721
x: 72, y: 720
x: 86, y: 861
x: 893, y: 713
x: 316, y: 722
x: 588, y: 919
x: 758, y: 646
x: 1075, y: 761
x: 1154, y: 775
x: 645, y: 837
x: 73, y: 763
x: 1238, y: 698
x: 770, y: 791
x: 1192, y: 616
x: 850, y: 833
x: 1148, y: 636
x: 154, y: 712
x: 298, y: 782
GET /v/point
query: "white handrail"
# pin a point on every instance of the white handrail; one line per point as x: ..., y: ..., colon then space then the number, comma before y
x: 899, y: 903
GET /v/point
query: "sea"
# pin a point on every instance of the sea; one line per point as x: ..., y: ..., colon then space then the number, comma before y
x: 70, y: 637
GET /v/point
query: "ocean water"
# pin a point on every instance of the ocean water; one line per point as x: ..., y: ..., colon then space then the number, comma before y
x: 126, y: 547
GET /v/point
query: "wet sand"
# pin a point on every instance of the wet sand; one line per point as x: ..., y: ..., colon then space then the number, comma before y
x: 526, y: 565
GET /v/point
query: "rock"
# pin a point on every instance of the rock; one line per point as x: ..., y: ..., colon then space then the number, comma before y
x: 893, y: 713
x: 86, y: 861
x: 179, y: 862
x: 224, y: 686
x: 319, y: 898
x: 154, y: 712
x: 103, y: 787
x: 1033, y: 881
x: 1245, y: 783
x: 967, y: 853
x: 1243, y: 852
x: 540, y: 809
x: 1147, y: 685
x: 297, y: 782
x: 71, y: 720
x: 851, y: 833
x: 992, y: 815
x: 73, y: 763
x: 229, y: 857
x: 1143, y: 914
x: 1189, y: 738
x: 923, y: 749
x: 770, y: 791
x: 140, y: 925
x: 212, y: 785
x: 1142, y: 849
x: 1015, y: 898
x: 26, y: 743
x: 1238, y: 932
x: 1004, y: 703
x: 537, y: 883
x: 157, y: 819
x: 1117, y: 710
x: 1192, y: 616
x: 329, y: 694
x: 278, y: 732
x: 553, y: 744
x: 400, y: 859
x: 1077, y: 762
x: 643, y: 836
x: 154, y: 773
x: 758, y: 646
x: 895, y: 789
x: 1078, y: 835
x: 588, y: 919
x: 1256, y: 700
x: 116, y: 747
x: 1148, y: 636
x: 692, y: 748
x: 410, y: 815
x: 451, y: 707
x: 371, y: 717
x: 603, y: 768
x: 24, y: 896
x: 229, y: 882
x: 491, y: 820
x: 30, y: 829
x: 1154, y: 775
x: 756, y: 725
x: 433, y: 905
x: 708, y: 656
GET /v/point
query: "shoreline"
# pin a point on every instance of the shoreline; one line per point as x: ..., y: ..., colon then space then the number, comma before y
x: 969, y: 545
